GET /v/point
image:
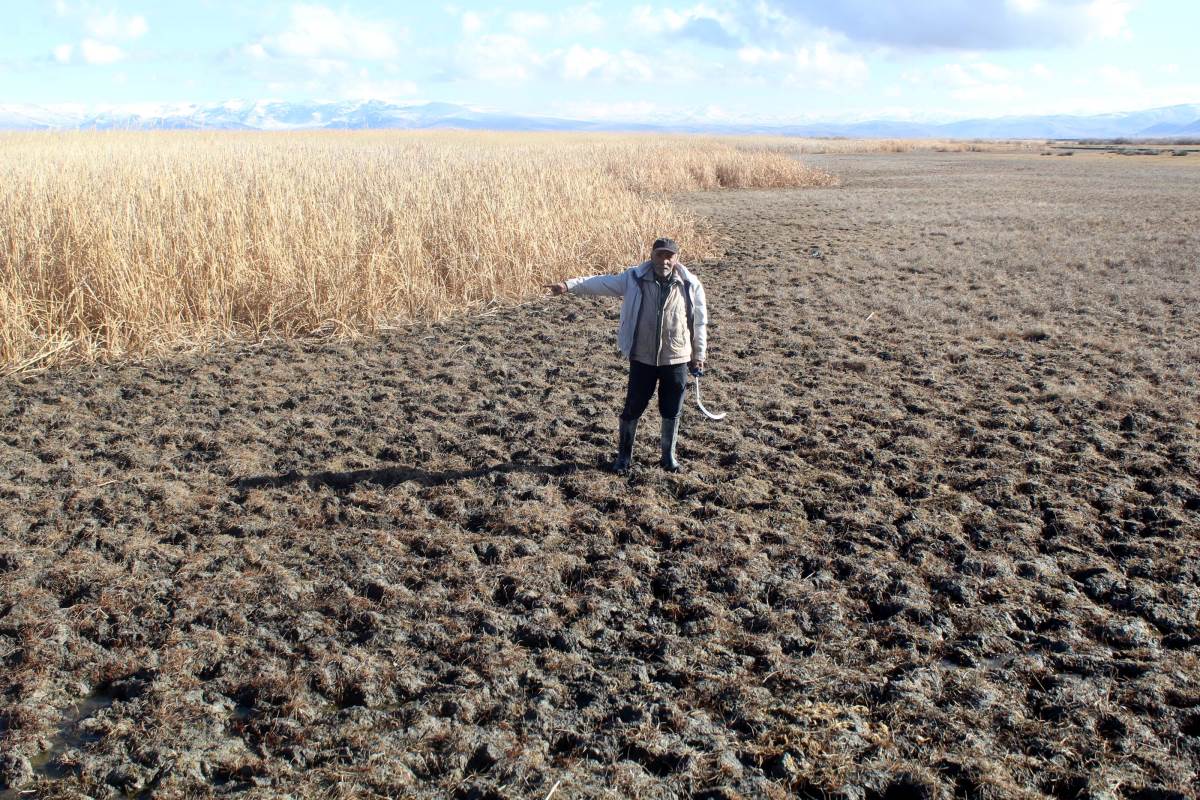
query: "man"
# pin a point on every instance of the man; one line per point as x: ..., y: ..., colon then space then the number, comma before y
x: 662, y: 333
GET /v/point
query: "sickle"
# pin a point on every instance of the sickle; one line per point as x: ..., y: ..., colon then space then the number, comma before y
x: 697, y: 373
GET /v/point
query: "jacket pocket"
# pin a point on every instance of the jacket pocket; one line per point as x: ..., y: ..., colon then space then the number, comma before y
x: 676, y: 335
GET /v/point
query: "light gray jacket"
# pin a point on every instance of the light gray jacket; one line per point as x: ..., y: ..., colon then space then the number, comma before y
x: 626, y: 284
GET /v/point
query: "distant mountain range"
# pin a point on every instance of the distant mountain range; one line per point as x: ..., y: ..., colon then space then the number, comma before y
x: 1165, y: 122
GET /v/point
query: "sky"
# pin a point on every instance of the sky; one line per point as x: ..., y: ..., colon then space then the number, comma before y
x: 717, y: 60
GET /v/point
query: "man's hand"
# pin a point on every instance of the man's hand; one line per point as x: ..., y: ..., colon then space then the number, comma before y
x: 695, y: 366
x: 556, y: 288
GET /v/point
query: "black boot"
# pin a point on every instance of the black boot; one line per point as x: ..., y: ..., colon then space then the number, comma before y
x: 627, y: 428
x: 670, y: 431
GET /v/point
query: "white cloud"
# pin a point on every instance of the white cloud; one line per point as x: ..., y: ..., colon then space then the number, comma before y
x: 507, y: 58
x: 989, y: 93
x: 700, y: 23
x: 653, y: 21
x: 330, y: 54
x: 628, y: 111
x: 526, y: 23
x: 1107, y: 18
x: 992, y: 72
x: 971, y: 75
x: 828, y: 67
x: 471, y: 22
x: 501, y: 58
x: 363, y: 87
x: 962, y: 24
x: 102, y: 30
x: 984, y: 84
x: 818, y: 64
x: 1119, y: 79
x: 580, y: 20
x: 758, y: 55
x: 575, y: 21
x: 317, y: 32
x: 95, y: 52
x: 112, y: 26
x: 325, y: 67
x: 580, y: 62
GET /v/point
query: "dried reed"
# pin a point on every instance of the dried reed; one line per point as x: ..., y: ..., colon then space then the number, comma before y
x: 118, y: 244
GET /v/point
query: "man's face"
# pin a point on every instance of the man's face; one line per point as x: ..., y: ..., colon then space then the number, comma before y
x: 664, y: 263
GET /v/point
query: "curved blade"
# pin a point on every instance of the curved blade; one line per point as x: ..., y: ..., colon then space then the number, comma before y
x: 700, y: 403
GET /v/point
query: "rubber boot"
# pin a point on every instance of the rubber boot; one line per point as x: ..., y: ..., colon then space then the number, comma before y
x: 670, y: 431
x: 627, y: 428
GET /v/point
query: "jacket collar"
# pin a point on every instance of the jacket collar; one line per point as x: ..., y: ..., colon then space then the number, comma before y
x: 644, y: 269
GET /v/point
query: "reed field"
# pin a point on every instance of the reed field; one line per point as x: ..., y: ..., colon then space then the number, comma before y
x: 120, y: 244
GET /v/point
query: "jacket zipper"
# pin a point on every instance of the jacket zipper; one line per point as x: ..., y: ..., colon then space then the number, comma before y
x: 664, y: 294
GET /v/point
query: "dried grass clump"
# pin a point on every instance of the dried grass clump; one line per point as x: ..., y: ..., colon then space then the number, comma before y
x: 132, y: 243
x: 683, y: 164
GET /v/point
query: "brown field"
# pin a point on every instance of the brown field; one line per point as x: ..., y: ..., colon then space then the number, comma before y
x: 944, y: 545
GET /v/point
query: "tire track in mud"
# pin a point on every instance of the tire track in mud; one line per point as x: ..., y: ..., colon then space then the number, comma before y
x: 944, y: 543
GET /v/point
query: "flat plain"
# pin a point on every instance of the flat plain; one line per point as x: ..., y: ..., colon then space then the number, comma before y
x: 944, y: 545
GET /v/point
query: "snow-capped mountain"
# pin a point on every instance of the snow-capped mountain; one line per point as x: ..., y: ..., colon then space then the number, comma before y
x: 32, y: 118
x: 1169, y: 121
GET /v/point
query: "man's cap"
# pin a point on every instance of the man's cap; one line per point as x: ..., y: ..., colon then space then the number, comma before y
x: 665, y: 244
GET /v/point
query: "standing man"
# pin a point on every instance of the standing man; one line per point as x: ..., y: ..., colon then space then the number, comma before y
x: 662, y: 333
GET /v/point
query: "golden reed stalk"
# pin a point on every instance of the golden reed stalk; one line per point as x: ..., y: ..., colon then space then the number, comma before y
x: 124, y: 244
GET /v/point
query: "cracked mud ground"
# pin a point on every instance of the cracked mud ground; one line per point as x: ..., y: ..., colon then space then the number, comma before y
x: 944, y: 545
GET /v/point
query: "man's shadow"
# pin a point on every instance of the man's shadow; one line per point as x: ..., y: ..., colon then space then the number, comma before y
x: 388, y: 477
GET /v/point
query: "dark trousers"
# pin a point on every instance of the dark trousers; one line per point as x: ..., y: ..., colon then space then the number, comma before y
x: 671, y: 381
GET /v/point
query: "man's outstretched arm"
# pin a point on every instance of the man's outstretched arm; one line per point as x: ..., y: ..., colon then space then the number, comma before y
x: 601, y: 285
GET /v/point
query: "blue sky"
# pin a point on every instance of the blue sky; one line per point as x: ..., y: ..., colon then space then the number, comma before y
x: 734, y: 60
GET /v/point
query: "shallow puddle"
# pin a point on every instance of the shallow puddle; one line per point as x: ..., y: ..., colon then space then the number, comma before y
x: 69, y: 736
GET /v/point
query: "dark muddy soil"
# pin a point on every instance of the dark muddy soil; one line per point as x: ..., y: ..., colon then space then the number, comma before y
x: 944, y: 545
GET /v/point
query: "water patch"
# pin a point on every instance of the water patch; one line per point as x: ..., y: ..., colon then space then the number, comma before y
x: 71, y: 736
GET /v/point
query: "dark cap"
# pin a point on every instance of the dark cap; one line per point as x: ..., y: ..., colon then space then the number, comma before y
x: 665, y: 244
